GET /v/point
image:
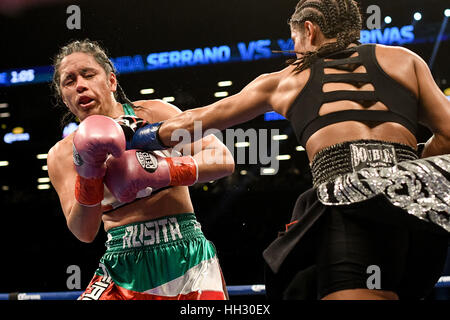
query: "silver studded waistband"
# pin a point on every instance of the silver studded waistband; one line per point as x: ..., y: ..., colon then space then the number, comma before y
x: 421, y: 187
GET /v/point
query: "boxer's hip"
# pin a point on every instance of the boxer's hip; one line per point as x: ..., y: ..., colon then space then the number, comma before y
x: 352, y: 156
x: 360, y: 170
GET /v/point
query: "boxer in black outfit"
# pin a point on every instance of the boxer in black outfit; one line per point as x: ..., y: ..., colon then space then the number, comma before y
x: 378, y: 207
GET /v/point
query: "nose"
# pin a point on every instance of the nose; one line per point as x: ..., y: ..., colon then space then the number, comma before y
x: 81, y: 84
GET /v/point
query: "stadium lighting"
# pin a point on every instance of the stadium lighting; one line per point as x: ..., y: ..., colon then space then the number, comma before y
x: 417, y: 16
x: 224, y: 83
x: 220, y: 94
x: 280, y: 137
x: 242, y: 144
x: 268, y: 171
x: 169, y: 99
x: 147, y: 91
x: 284, y: 157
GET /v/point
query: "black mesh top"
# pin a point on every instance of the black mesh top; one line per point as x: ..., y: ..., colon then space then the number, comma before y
x: 401, y: 103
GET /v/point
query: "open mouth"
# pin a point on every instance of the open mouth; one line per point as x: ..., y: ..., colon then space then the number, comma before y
x: 85, y: 102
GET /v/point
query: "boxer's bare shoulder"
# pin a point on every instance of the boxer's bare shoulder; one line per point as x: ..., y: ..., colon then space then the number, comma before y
x: 60, y: 155
x: 155, y: 110
x: 62, y: 172
x: 60, y: 152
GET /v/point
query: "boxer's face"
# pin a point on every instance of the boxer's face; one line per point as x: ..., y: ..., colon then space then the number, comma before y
x: 85, y: 87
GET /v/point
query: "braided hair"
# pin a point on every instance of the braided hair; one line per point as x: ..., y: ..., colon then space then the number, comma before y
x: 340, y: 19
x: 89, y: 47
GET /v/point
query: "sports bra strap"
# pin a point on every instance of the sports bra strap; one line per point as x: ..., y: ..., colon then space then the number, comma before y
x: 128, y: 110
x: 349, y: 95
x: 338, y: 62
x: 346, y: 77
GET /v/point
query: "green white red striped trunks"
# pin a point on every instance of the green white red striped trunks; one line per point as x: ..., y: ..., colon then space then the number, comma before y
x: 163, y: 259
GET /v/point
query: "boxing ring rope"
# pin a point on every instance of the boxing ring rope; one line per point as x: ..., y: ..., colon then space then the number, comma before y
x: 243, y: 290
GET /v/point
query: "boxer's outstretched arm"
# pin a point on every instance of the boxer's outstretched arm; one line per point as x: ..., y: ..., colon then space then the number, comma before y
x: 205, y: 160
x: 213, y: 158
x: 84, y: 222
x: 253, y: 100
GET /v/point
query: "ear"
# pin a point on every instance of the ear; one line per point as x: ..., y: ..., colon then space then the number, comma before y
x: 112, y: 81
x: 310, y: 31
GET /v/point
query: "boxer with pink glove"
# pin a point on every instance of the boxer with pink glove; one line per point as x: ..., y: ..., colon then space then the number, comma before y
x: 96, y: 138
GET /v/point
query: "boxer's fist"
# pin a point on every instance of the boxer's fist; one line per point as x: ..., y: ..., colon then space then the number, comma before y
x: 138, y: 170
x: 96, y: 138
x: 147, y: 138
x: 140, y: 134
x: 129, y: 125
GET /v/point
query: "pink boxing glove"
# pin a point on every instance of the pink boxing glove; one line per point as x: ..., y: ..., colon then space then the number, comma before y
x: 137, y: 170
x: 96, y: 138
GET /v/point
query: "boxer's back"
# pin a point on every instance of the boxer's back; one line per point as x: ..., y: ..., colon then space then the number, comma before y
x: 397, y: 63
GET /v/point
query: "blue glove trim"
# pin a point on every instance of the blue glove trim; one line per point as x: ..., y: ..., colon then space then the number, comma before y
x: 147, y: 138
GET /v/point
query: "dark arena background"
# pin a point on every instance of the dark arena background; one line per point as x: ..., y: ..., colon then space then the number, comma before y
x: 189, y: 53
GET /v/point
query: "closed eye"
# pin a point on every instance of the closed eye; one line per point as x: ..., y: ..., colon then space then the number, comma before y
x: 88, y: 72
x: 68, y: 82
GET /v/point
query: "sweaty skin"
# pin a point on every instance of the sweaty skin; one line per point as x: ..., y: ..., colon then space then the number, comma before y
x: 81, y: 76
